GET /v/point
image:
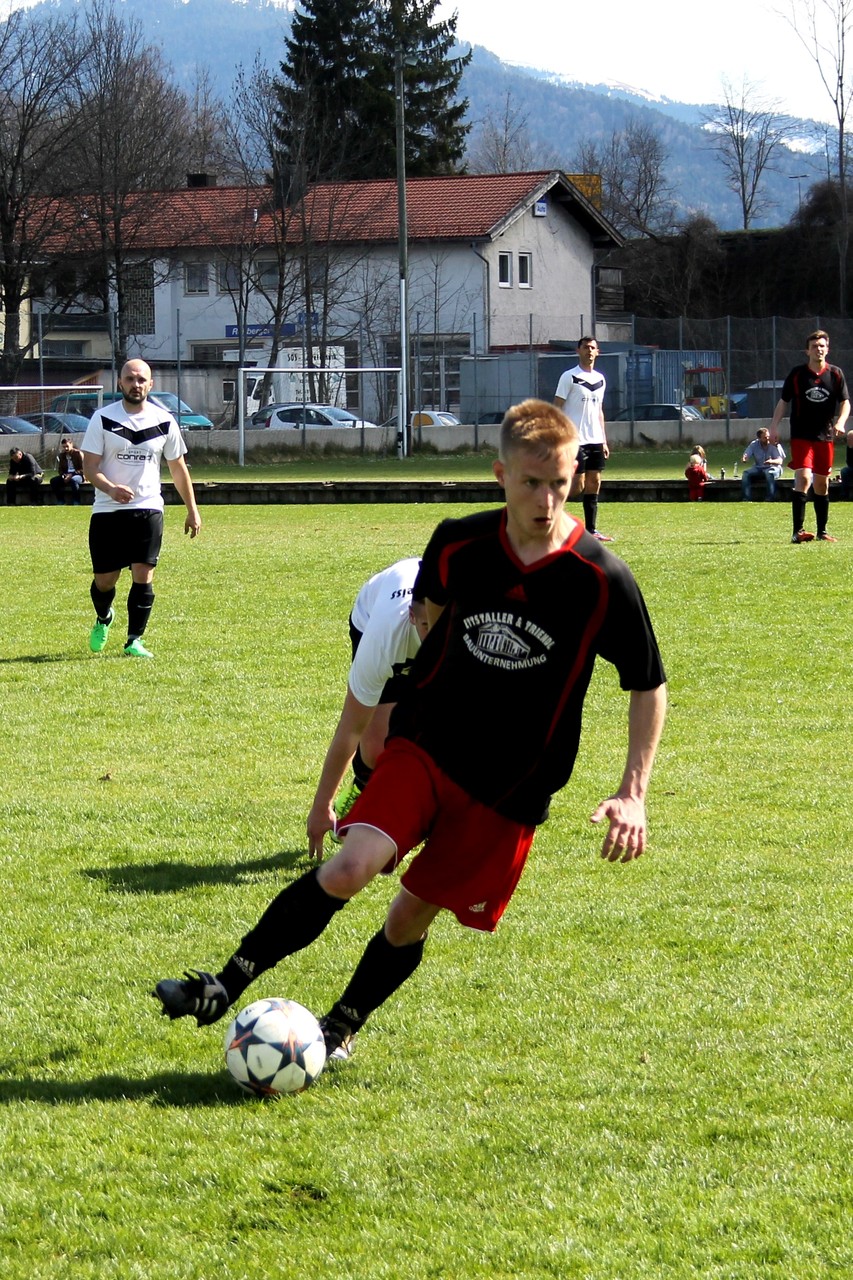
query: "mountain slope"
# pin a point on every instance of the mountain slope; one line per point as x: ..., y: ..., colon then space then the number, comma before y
x: 223, y: 34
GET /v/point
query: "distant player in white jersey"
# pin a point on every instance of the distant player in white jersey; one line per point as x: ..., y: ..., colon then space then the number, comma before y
x: 580, y: 394
x: 122, y: 451
x: 386, y: 626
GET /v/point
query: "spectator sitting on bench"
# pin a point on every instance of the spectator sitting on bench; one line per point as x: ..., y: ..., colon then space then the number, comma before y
x: 696, y: 472
x: 69, y: 467
x: 767, y: 461
x: 25, y: 476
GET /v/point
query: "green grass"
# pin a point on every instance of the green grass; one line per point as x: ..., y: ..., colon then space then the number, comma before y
x: 623, y: 464
x: 644, y: 1073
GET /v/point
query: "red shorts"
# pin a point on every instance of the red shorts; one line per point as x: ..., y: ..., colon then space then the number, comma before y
x: 473, y: 857
x: 815, y: 455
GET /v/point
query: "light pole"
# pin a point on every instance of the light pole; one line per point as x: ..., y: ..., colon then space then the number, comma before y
x: 798, y: 177
x: 403, y: 240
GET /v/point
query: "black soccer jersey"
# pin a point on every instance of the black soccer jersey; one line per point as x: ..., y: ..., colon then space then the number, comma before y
x: 499, y: 683
x: 815, y: 399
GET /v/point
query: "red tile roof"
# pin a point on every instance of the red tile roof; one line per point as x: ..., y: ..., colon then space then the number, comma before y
x: 457, y: 207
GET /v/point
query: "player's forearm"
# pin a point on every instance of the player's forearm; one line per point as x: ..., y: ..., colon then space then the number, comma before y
x: 183, y: 484
x: 355, y: 718
x: 778, y: 414
x: 93, y: 473
x: 646, y: 714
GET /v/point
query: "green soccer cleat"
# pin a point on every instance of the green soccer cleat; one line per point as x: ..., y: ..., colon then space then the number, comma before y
x: 136, y: 649
x: 100, y: 634
x: 343, y: 803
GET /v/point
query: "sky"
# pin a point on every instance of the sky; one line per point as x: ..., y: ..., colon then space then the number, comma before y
x: 666, y: 49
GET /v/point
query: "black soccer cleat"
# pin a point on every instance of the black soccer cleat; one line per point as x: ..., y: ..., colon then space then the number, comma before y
x: 339, y: 1037
x: 197, y: 995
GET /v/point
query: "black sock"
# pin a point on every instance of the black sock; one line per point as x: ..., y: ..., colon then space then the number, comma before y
x: 798, y: 509
x: 380, y: 971
x: 294, y: 919
x: 361, y: 771
x: 102, y: 600
x: 140, y: 601
x: 590, y: 511
x: 821, y: 511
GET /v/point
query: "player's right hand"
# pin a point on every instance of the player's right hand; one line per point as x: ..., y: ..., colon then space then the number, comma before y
x: 320, y: 820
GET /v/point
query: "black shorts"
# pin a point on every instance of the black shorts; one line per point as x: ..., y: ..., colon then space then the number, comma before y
x: 394, y: 687
x: 591, y: 458
x: 118, y: 539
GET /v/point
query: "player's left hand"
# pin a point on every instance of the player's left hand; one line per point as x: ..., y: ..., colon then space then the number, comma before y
x: 192, y: 524
x: 626, y: 834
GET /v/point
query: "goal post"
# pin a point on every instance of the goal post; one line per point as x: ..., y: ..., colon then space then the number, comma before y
x: 38, y: 403
x: 303, y: 372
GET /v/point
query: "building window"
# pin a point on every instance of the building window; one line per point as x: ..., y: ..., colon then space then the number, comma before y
x: 196, y: 277
x: 227, y: 277
x: 505, y: 270
x: 229, y: 388
x: 266, y: 273
x: 525, y: 271
x: 61, y: 347
x: 139, y: 298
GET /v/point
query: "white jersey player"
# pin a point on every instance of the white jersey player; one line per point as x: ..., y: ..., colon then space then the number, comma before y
x: 123, y: 448
x: 387, y: 625
x: 580, y: 395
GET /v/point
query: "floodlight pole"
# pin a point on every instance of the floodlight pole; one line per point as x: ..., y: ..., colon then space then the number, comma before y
x: 403, y: 241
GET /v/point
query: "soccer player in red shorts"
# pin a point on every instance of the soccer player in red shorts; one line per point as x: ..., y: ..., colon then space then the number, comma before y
x: 816, y: 394
x: 521, y: 600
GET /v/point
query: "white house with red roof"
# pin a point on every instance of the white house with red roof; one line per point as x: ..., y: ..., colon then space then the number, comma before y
x: 495, y: 262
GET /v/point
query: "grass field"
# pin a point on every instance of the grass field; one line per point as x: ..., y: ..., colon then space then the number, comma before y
x: 644, y: 1073
x: 623, y: 464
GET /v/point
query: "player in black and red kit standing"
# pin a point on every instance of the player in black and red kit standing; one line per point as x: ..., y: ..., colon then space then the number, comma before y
x: 521, y: 601
x: 816, y: 394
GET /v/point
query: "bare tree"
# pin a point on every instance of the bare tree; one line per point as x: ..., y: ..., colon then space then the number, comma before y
x: 209, y: 150
x: 824, y: 28
x: 38, y: 55
x: 746, y: 131
x: 501, y: 141
x: 133, y: 142
x: 638, y: 199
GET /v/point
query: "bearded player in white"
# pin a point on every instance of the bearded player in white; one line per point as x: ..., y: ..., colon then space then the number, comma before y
x: 580, y: 394
x: 122, y: 451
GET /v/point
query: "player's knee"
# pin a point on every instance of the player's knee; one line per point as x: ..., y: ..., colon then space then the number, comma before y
x: 363, y: 855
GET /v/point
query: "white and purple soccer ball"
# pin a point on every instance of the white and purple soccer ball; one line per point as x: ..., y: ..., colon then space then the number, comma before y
x: 273, y: 1047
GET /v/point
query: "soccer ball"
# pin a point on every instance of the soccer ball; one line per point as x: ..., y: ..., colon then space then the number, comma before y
x: 274, y: 1047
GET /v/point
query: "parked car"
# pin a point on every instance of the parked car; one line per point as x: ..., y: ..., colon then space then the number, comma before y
x: 261, y: 417
x: 315, y: 415
x: 425, y: 418
x: 493, y: 417
x: 65, y: 424
x: 188, y: 419
x: 659, y: 413
x: 86, y: 402
x: 12, y: 426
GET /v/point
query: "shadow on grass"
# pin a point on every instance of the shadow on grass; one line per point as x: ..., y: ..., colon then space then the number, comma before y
x: 174, y: 877
x: 169, y: 1089
x: 47, y: 657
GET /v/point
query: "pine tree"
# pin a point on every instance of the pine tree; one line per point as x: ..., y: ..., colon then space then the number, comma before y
x: 337, y: 115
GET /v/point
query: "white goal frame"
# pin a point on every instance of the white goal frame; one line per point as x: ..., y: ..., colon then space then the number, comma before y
x: 253, y: 370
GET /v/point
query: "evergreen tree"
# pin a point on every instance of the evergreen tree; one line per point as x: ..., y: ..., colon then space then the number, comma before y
x: 337, y: 116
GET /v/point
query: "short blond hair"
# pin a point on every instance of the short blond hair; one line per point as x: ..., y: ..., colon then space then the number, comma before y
x: 537, y: 425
